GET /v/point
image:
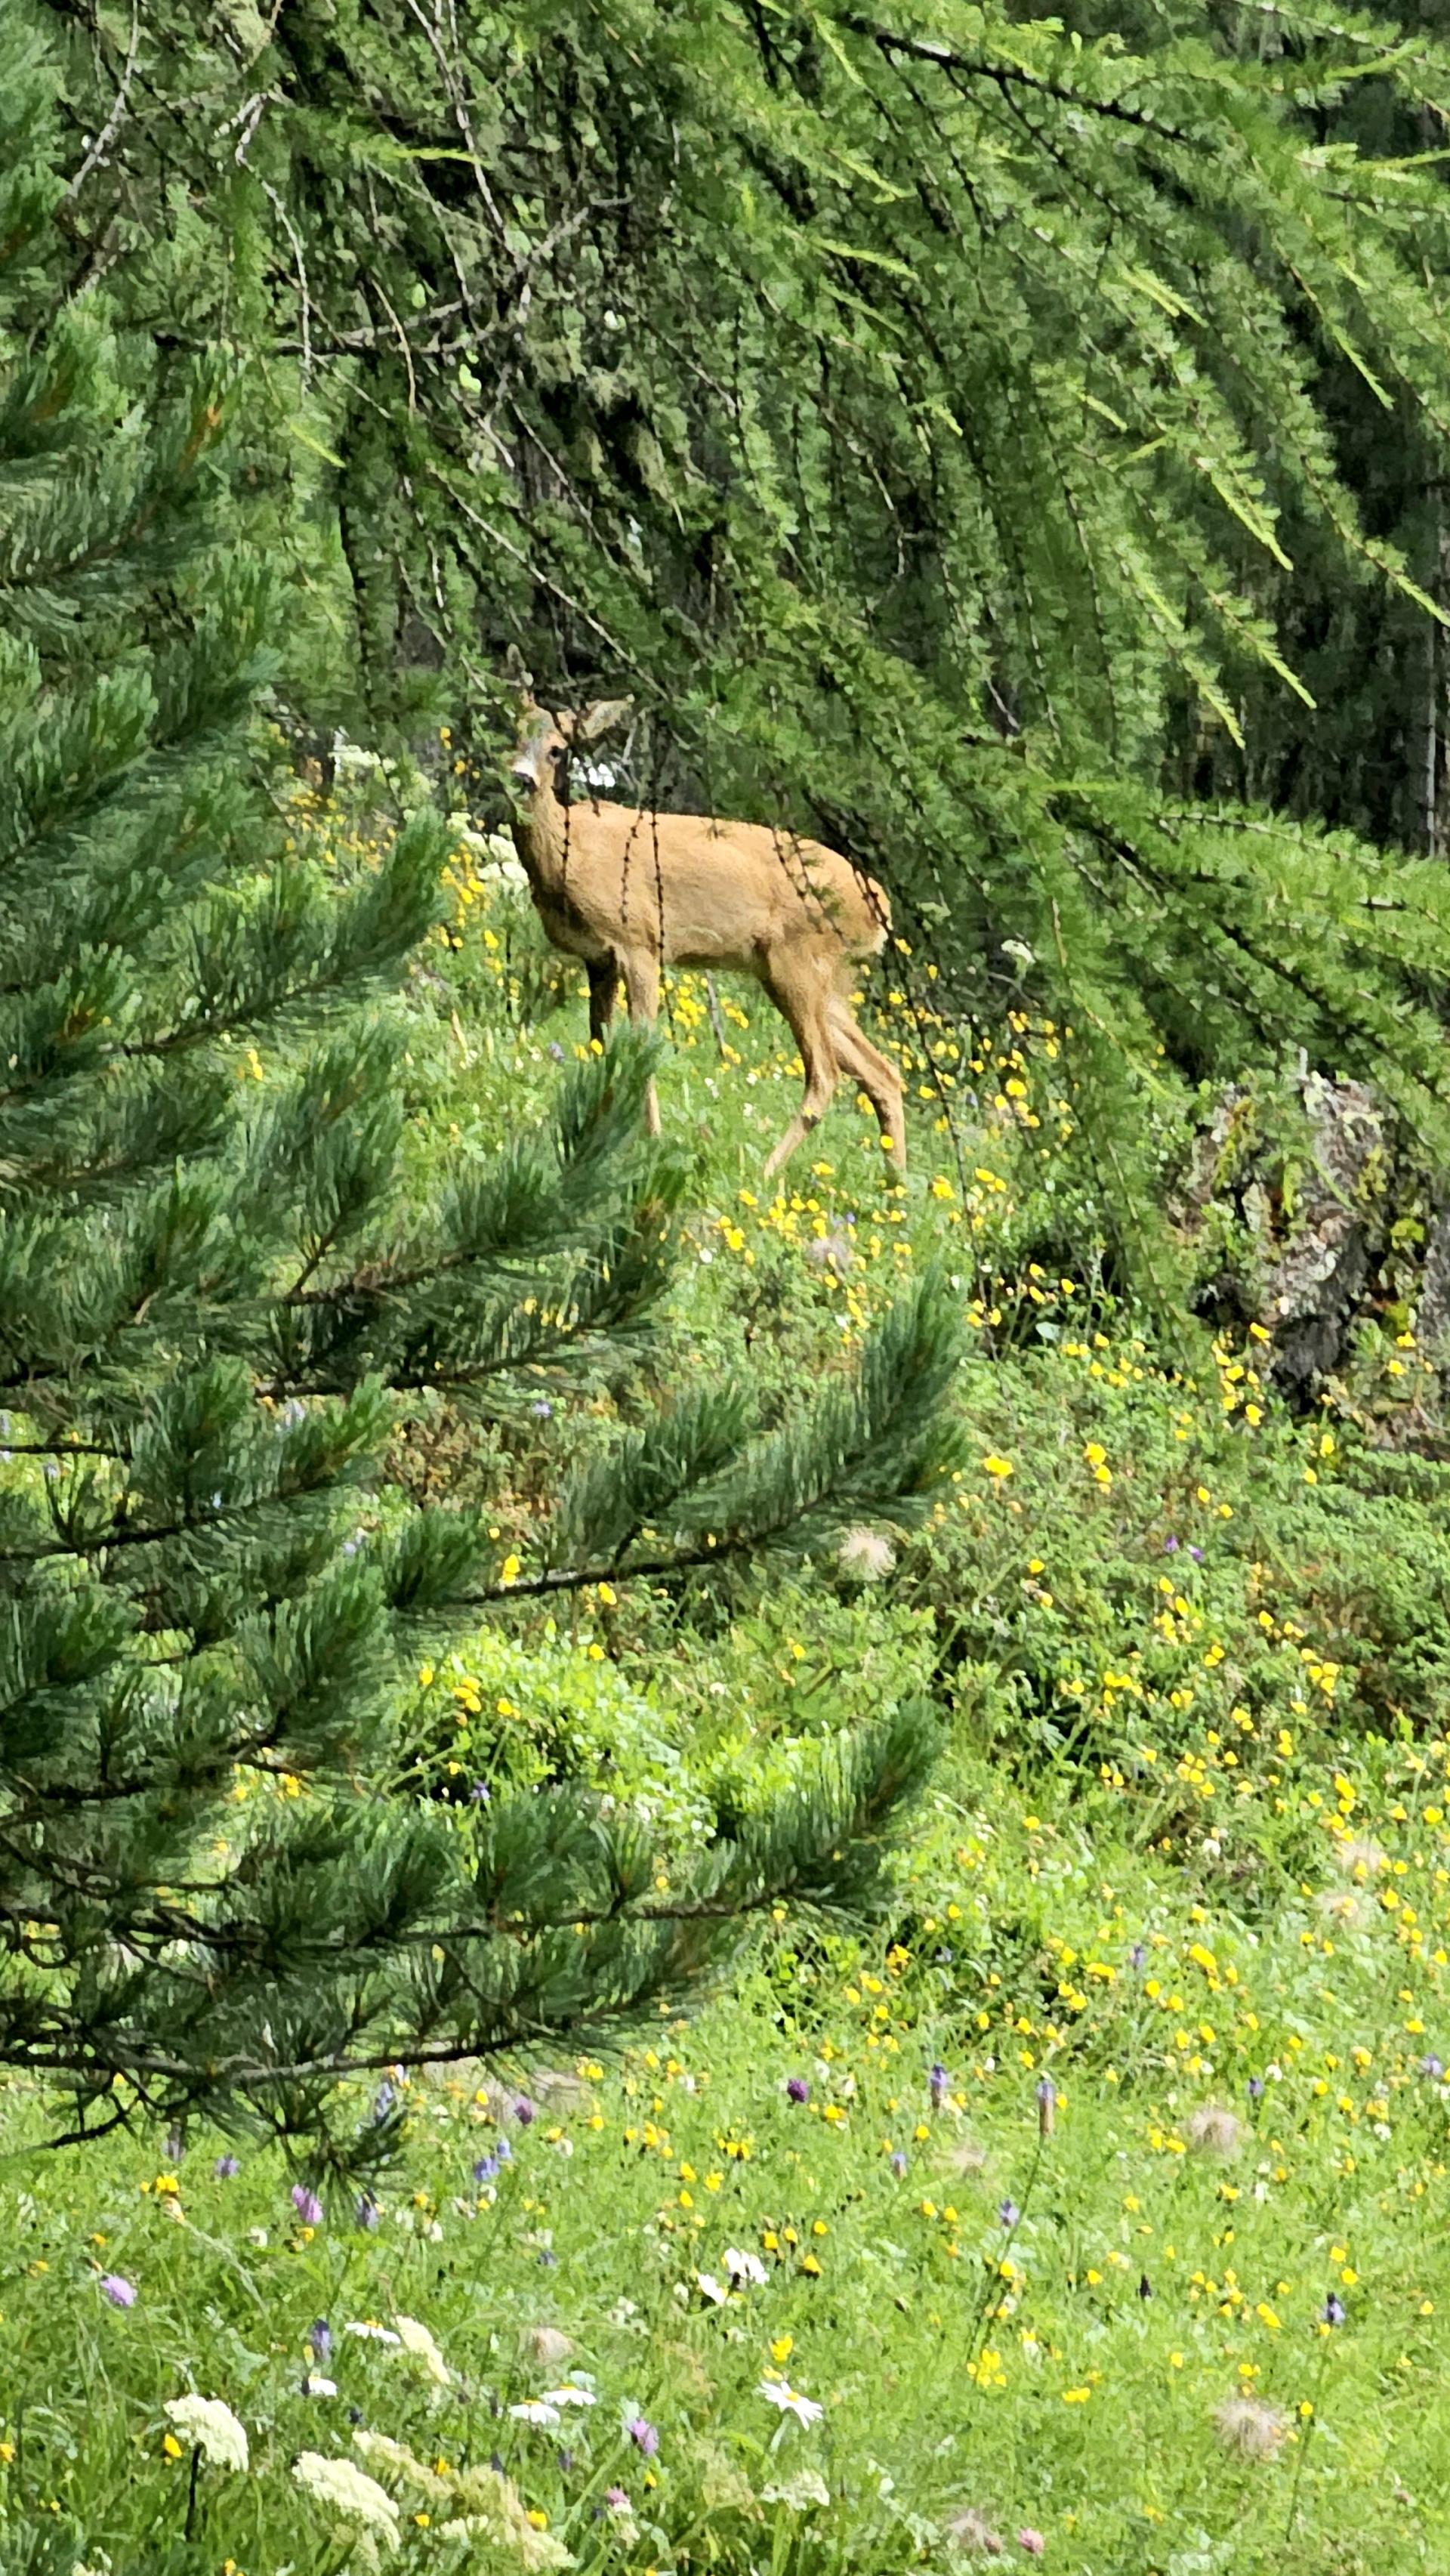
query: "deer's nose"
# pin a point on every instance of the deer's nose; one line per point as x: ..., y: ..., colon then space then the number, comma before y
x: 525, y: 767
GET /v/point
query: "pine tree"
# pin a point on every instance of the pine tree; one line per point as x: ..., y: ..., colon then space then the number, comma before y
x: 215, y: 1895
x: 918, y: 407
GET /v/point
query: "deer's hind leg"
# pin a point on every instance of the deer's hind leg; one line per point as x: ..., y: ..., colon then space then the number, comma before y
x: 641, y: 969
x: 864, y: 1063
x: 804, y: 1002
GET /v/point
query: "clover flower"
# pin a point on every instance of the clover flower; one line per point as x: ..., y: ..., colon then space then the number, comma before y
x: 213, y: 2428
x: 797, y: 2089
x: 643, y: 2434
x: 120, y: 2291
x: 1030, y: 2540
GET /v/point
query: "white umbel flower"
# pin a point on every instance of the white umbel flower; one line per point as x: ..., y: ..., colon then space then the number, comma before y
x: 416, y: 2340
x: 357, y: 2498
x: 213, y: 2428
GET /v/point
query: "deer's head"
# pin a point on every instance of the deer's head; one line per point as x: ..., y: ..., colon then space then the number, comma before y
x: 544, y: 739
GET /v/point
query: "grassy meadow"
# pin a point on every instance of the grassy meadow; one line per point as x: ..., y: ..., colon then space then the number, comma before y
x: 1092, y: 2205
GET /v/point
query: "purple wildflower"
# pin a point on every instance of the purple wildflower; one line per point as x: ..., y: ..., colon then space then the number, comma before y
x: 525, y: 2111
x: 643, y: 2435
x: 226, y: 2167
x: 1197, y: 1555
x: 617, y: 2499
x: 556, y: 1051
x: 1169, y: 1545
x: 938, y: 2080
x: 116, y: 2288
x: 319, y: 2335
x: 898, y: 2165
x: 1046, y: 2106
x: 1432, y: 2066
x: 367, y: 2213
x: 797, y: 2089
x: 1032, y: 2541
x: 307, y: 2205
x: 504, y: 2152
x: 1334, y: 2309
x: 485, y: 2168
x: 543, y: 1411
x: 1137, y: 1955
x: 481, y: 1794
x: 1256, y: 2088
x: 1009, y: 2215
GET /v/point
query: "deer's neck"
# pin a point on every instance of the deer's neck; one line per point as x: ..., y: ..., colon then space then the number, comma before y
x: 541, y: 837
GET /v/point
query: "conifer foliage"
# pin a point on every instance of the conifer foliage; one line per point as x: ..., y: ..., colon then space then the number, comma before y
x: 917, y: 405
x: 214, y: 1295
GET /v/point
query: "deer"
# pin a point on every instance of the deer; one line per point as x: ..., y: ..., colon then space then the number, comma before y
x: 632, y: 892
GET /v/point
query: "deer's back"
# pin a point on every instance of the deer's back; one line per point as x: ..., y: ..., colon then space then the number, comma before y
x: 726, y: 887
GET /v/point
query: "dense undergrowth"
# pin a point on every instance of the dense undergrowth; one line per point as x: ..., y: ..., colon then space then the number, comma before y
x: 1091, y: 2204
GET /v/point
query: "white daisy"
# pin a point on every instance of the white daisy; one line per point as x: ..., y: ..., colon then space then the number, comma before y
x: 535, y: 2410
x: 568, y: 2395
x: 709, y: 2288
x: 790, y: 2401
x: 744, y: 2266
x: 373, y: 2333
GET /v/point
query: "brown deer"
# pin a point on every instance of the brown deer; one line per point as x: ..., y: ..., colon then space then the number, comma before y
x: 631, y: 893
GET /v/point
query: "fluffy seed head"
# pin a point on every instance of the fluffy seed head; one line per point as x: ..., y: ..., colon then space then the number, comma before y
x: 865, y: 1555
x: 1250, y: 2426
x: 1215, y: 2131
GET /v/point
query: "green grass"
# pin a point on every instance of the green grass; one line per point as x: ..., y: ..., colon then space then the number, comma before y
x: 1188, y: 1837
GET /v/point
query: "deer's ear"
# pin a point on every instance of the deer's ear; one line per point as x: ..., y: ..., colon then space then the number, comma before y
x: 601, y: 717
x: 520, y: 680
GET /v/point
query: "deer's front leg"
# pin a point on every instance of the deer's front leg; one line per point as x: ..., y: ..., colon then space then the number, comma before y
x: 603, y: 974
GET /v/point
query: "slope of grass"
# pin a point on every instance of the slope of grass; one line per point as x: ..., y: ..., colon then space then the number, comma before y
x: 1186, y: 1866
